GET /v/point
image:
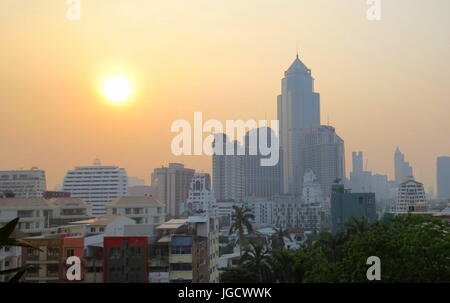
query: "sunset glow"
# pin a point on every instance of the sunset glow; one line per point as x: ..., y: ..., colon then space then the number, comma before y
x: 117, y: 89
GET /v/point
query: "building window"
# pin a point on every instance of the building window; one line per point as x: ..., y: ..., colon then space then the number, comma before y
x: 180, y: 250
x: 181, y: 266
x: 70, y: 252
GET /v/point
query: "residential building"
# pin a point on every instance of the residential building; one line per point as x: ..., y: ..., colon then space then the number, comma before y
x: 143, y: 210
x: 39, y: 215
x: 201, y: 199
x: 410, y: 197
x: 11, y: 256
x: 23, y: 183
x: 259, y: 180
x: 125, y: 259
x: 107, y: 225
x: 187, y: 250
x: 228, y: 169
x: 172, y: 186
x: 96, y: 185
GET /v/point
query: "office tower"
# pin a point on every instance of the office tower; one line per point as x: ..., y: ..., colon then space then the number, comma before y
x: 262, y: 210
x: 96, y: 185
x: 298, y: 108
x: 360, y: 180
x: 345, y: 204
x: 443, y: 177
x: 260, y: 181
x: 410, y: 197
x: 403, y: 171
x: 201, y: 199
x: 227, y: 169
x: 322, y: 151
x: 23, y: 183
x: 172, y: 186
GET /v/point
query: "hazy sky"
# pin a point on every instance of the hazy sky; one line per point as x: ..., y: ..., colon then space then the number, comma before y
x: 382, y: 83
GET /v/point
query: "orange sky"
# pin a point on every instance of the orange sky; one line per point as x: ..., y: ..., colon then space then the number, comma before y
x: 382, y: 83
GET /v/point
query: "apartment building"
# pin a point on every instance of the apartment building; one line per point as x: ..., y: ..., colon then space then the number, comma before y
x: 185, y: 251
x: 39, y: 215
x: 96, y: 185
x: 143, y: 210
x: 23, y: 183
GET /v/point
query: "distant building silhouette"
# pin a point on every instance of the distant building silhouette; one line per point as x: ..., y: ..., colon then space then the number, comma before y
x: 403, y: 169
x: 443, y: 177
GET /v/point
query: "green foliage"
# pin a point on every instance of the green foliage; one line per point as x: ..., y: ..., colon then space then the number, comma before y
x: 411, y: 248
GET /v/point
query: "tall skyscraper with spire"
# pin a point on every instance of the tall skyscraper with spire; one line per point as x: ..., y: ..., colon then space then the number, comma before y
x: 298, y: 108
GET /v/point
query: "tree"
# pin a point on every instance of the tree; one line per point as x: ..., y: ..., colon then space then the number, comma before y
x: 356, y: 225
x: 7, y: 241
x: 241, y: 220
x: 281, y: 263
x: 278, y: 237
x: 412, y: 248
x: 257, y: 259
x: 237, y: 274
x: 331, y: 244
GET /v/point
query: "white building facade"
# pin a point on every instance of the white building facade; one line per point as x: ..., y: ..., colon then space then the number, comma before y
x: 410, y: 198
x: 96, y: 185
x: 23, y: 183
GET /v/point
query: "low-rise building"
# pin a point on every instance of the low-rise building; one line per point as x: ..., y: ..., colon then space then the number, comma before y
x: 143, y: 210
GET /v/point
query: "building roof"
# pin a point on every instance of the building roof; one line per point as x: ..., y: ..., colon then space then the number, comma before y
x: 67, y: 201
x: 24, y: 202
x: 146, y: 200
x: 297, y: 67
x: 99, y: 221
x: 172, y: 224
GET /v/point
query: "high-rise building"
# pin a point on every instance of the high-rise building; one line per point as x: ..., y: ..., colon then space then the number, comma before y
x: 259, y: 180
x: 314, y: 213
x: 23, y: 183
x: 172, y: 186
x: 298, y: 108
x: 403, y: 170
x: 96, y: 185
x: 345, y: 204
x: 201, y: 199
x: 227, y: 169
x: 322, y: 151
x: 443, y: 177
x: 410, y: 197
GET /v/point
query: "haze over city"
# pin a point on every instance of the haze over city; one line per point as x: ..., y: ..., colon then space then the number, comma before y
x: 382, y: 84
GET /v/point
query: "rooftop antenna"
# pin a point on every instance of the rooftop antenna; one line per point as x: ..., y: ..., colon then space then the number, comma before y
x: 328, y: 119
x: 97, y: 161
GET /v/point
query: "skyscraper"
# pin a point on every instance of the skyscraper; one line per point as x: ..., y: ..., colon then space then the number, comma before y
x: 298, y: 108
x: 322, y: 151
x: 172, y: 186
x: 97, y: 185
x: 260, y: 181
x: 443, y: 177
x: 228, y: 170
x: 403, y: 171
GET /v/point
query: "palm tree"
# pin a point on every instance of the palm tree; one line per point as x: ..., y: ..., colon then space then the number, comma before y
x: 7, y: 241
x: 282, y: 266
x: 278, y: 237
x: 241, y: 220
x: 331, y: 244
x: 356, y: 225
x: 257, y: 259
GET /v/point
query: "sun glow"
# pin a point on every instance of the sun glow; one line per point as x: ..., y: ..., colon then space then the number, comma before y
x: 117, y: 89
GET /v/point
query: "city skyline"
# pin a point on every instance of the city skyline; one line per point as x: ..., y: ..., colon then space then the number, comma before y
x: 364, y: 93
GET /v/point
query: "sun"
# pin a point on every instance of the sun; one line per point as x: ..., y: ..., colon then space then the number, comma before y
x: 117, y: 89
